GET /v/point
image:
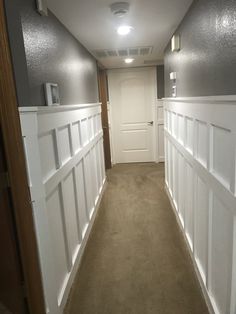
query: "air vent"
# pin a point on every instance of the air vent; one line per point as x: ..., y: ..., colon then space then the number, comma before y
x: 111, y: 53
x: 100, y: 54
x: 124, y: 52
x: 144, y: 51
x: 133, y: 51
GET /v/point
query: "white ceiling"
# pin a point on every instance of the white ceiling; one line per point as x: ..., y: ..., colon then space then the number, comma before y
x: 93, y: 24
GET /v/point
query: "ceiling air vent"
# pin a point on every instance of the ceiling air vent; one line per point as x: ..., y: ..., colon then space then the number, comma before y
x: 133, y: 51
x: 145, y: 51
x: 124, y: 52
x: 111, y: 53
x: 100, y: 53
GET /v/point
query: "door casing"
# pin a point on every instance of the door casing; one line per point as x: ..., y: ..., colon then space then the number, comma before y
x: 103, y: 95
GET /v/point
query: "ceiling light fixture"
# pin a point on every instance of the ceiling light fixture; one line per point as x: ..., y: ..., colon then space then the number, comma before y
x: 124, y: 30
x: 129, y: 60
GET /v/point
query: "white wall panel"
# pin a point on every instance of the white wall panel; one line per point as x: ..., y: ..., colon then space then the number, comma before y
x: 76, y: 137
x: 65, y: 162
x: 200, y: 182
x: 181, y: 129
x: 221, y: 255
x: 189, y: 134
x: 201, y: 226
x: 71, y: 217
x: 174, y: 125
x: 159, y: 125
x: 181, y: 187
x: 189, y: 203
x: 57, y: 230
x: 48, y: 160
x: 175, y: 175
x: 64, y: 144
x: 222, y: 161
x: 81, y: 196
x: 202, y: 143
x: 84, y: 131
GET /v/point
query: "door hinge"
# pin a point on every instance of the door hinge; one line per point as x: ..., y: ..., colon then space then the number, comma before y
x: 4, y: 180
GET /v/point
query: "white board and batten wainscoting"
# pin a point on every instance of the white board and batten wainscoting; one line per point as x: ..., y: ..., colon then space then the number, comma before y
x: 200, y: 148
x: 66, y: 174
x: 159, y: 131
x: 136, y: 115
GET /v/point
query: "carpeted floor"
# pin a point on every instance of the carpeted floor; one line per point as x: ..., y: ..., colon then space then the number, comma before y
x: 136, y: 261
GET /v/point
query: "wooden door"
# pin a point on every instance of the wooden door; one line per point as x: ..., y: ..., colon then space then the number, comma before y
x: 11, y: 276
x: 103, y: 92
x: 132, y: 96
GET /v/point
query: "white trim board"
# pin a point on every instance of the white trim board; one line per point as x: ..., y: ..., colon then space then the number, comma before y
x: 200, y: 99
x: 56, y: 108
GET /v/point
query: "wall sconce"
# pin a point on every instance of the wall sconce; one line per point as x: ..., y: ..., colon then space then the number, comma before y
x: 42, y: 7
x: 175, y: 43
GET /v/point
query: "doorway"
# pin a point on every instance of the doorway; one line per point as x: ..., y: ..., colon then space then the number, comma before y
x: 132, y: 96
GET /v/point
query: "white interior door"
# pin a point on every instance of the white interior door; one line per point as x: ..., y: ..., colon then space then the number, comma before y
x: 132, y: 94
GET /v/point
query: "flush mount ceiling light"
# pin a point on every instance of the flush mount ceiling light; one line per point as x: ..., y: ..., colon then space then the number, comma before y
x: 129, y: 60
x: 119, y: 9
x: 124, y: 30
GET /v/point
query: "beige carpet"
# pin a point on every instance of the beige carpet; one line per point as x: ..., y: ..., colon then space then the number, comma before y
x: 136, y: 261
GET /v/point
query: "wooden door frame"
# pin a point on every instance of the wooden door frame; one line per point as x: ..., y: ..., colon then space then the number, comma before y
x: 103, y: 92
x: 10, y: 123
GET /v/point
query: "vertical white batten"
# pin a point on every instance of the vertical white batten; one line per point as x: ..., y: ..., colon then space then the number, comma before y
x: 64, y: 152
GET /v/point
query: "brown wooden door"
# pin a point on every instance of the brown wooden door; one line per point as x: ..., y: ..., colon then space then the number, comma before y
x: 11, y: 278
x: 102, y: 82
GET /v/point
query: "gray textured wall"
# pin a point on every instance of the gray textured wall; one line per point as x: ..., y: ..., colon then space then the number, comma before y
x: 14, y: 26
x: 160, y: 82
x: 206, y: 64
x: 51, y: 54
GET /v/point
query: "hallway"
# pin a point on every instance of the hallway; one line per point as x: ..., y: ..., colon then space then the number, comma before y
x: 136, y: 260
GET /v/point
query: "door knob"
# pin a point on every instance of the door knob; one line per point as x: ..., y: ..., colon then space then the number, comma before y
x: 150, y: 123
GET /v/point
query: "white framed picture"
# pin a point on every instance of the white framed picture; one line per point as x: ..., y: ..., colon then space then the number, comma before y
x: 52, y: 94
